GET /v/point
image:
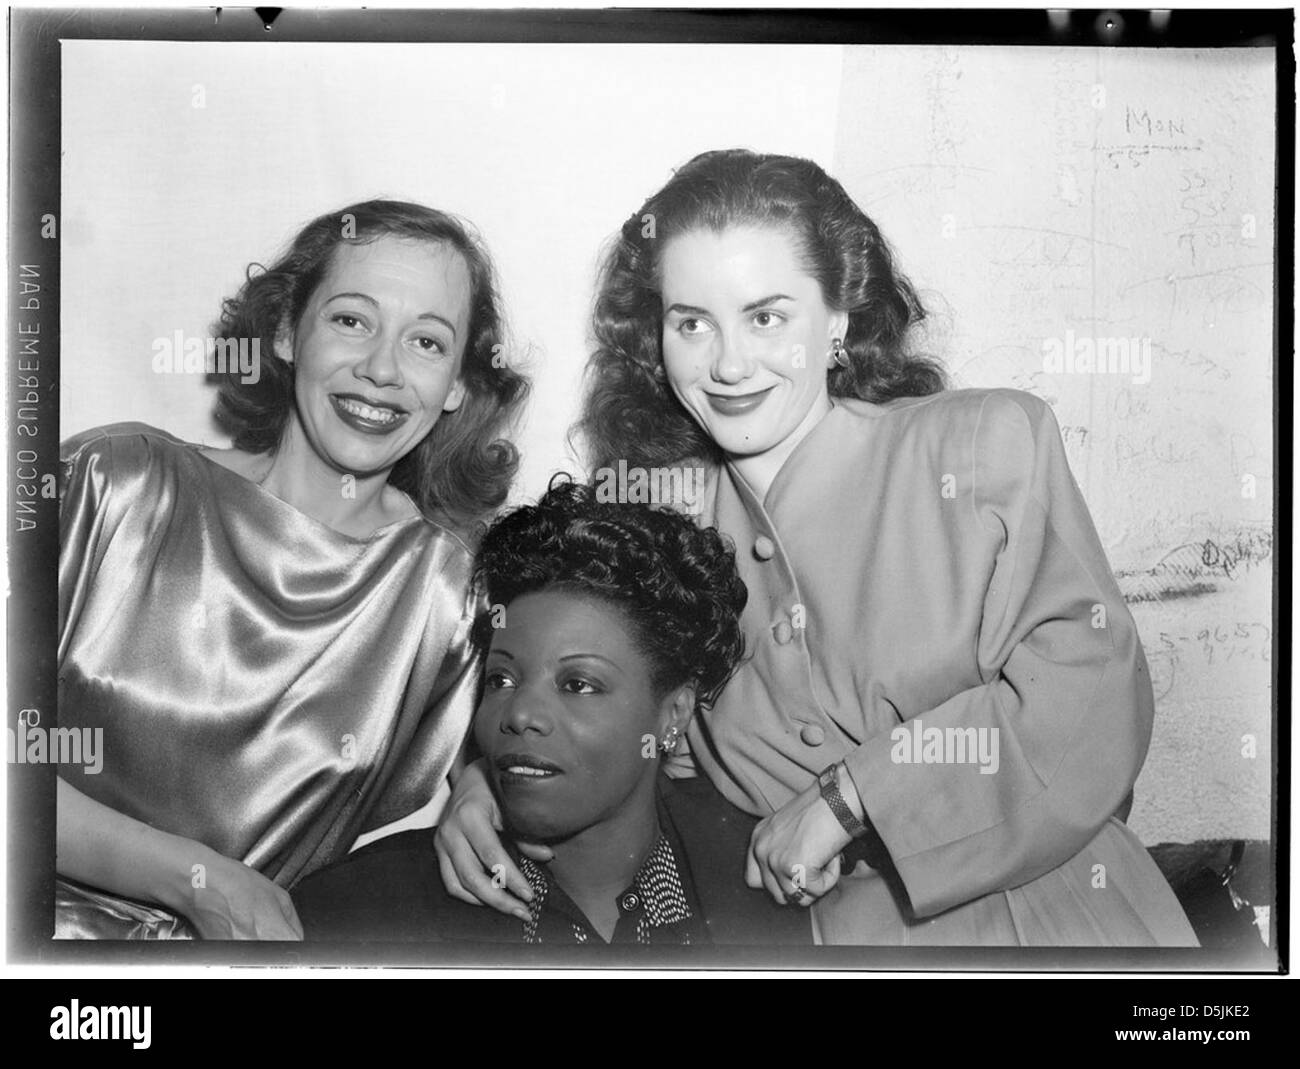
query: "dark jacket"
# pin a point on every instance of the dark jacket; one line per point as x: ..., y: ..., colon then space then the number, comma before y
x: 392, y: 891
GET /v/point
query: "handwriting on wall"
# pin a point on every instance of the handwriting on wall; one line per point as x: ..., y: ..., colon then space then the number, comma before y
x: 1096, y: 227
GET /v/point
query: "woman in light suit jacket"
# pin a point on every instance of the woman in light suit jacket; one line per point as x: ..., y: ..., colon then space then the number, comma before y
x: 947, y: 704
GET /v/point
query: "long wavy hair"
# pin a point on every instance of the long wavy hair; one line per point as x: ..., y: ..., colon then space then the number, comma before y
x: 629, y: 412
x: 462, y: 471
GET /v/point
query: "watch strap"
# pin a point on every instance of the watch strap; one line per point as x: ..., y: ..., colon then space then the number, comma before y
x: 829, y: 785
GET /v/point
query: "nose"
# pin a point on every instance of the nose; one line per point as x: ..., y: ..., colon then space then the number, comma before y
x: 732, y: 360
x: 380, y: 366
x: 526, y: 713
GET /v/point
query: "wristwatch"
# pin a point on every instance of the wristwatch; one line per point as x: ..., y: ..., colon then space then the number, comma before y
x: 828, y: 781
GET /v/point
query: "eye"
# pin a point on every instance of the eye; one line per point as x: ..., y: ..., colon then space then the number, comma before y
x: 578, y: 685
x: 348, y: 320
x: 429, y: 344
x: 767, y: 319
x: 498, y: 680
x: 691, y: 326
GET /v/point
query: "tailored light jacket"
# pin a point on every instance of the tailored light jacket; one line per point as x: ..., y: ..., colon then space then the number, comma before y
x: 927, y: 564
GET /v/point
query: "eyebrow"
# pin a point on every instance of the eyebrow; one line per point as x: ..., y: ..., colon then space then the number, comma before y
x: 371, y: 301
x: 752, y: 306
x: 497, y: 651
x: 590, y: 657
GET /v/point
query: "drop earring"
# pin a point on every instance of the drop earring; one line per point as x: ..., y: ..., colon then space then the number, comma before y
x: 668, y: 744
x: 839, y: 354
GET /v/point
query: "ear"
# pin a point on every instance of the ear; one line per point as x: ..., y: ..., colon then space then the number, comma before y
x: 677, y: 709
x: 455, y: 396
x: 838, y: 325
x: 284, y: 342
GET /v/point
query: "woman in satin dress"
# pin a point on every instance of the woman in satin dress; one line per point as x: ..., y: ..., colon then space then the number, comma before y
x: 947, y: 703
x: 272, y: 641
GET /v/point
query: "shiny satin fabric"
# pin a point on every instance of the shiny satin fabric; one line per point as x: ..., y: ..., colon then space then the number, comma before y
x: 83, y: 912
x: 264, y: 684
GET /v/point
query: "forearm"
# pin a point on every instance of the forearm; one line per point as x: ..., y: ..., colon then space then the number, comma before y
x: 1056, y: 771
x: 1039, y: 738
x: 99, y: 846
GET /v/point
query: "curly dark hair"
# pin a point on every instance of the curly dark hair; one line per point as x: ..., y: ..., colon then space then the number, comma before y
x: 463, y: 470
x: 675, y: 583
x: 629, y: 412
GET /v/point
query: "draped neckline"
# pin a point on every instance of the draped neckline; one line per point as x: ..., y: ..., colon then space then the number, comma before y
x: 295, y: 514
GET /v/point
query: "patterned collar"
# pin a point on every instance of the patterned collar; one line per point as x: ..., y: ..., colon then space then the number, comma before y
x: 653, y: 908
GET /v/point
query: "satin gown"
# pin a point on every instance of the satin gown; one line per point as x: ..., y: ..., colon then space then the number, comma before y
x: 264, y: 684
x: 930, y: 565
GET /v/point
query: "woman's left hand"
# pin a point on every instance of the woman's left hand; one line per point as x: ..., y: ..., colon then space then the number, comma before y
x: 795, y: 853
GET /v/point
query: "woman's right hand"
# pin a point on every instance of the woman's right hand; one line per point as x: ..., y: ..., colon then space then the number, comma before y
x: 233, y: 901
x: 222, y: 898
x: 475, y: 866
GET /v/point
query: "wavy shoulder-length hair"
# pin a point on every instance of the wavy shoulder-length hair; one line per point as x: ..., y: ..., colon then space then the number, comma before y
x: 629, y: 412
x: 462, y: 471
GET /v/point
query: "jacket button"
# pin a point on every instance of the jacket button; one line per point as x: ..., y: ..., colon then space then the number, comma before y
x: 764, y: 547
x: 812, y: 735
x: 629, y: 902
x: 783, y: 632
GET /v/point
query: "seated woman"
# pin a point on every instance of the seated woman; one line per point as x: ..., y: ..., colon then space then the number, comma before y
x: 609, y: 627
x: 274, y: 639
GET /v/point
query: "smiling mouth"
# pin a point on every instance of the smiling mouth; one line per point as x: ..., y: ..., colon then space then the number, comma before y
x: 368, y: 418
x: 525, y: 768
x: 728, y: 405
